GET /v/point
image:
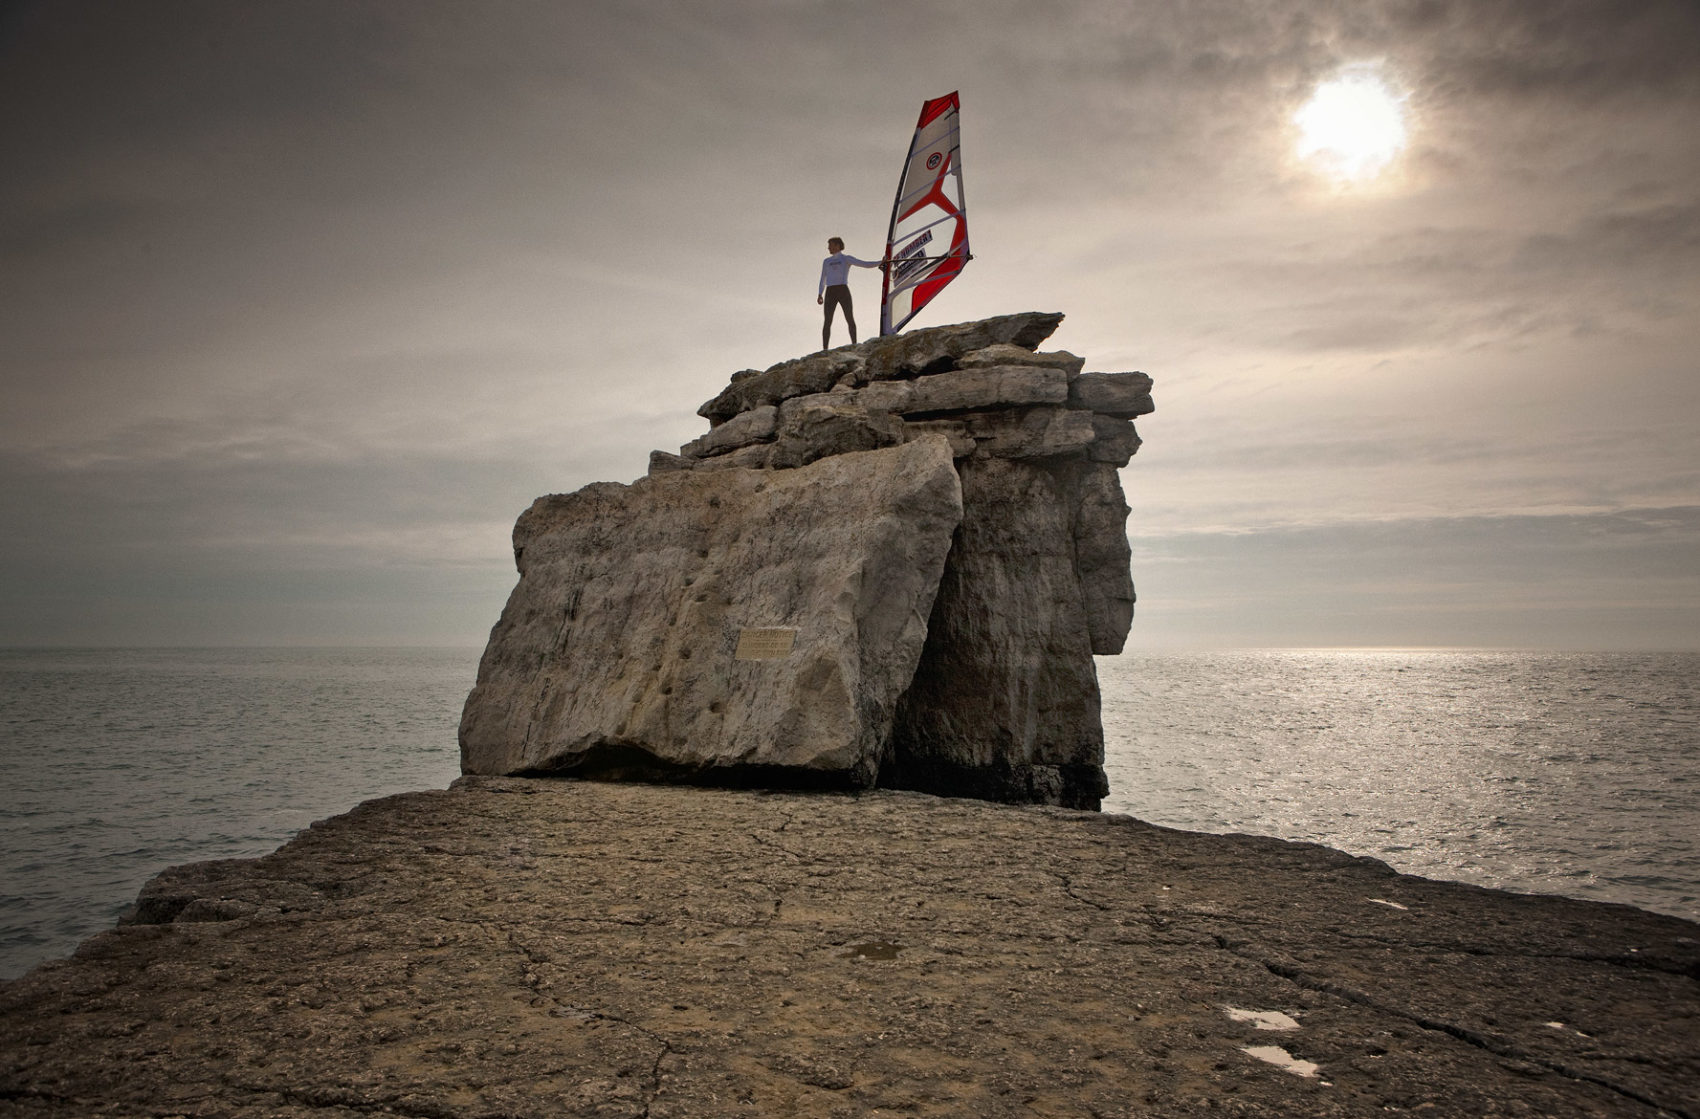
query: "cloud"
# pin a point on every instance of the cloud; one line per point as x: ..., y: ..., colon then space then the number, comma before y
x: 1613, y: 580
x: 1574, y: 50
x: 331, y: 283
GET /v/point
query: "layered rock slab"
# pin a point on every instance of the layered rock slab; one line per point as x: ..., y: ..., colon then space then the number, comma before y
x: 630, y: 647
x: 892, y: 357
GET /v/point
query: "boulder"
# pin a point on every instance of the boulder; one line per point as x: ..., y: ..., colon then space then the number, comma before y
x: 998, y: 386
x: 937, y: 349
x: 662, y: 462
x: 785, y: 600
x: 1123, y: 395
x: 1005, y: 354
x: 756, y: 456
x: 755, y: 426
x: 885, y: 396
x: 723, y: 625
x: 832, y: 423
x: 1113, y: 441
x: 802, y: 376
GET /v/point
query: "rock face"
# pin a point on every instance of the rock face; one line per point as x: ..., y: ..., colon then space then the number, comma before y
x: 541, y: 949
x: 987, y: 689
x: 620, y: 651
x: 1005, y: 701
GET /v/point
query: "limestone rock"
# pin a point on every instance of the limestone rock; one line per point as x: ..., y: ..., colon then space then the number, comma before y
x: 936, y: 349
x: 1113, y: 441
x: 802, y: 376
x: 616, y: 652
x: 832, y: 423
x: 1003, y: 703
x: 1005, y: 354
x: 956, y: 430
x: 755, y: 426
x: 885, y: 396
x: 999, y: 386
x: 1123, y: 395
x: 661, y: 462
x: 550, y: 949
x: 757, y: 456
x: 1101, y: 556
x: 1031, y: 433
x: 1005, y: 700
x: 896, y: 356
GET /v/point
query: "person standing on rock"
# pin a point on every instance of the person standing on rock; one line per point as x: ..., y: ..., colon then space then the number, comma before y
x: 835, y: 287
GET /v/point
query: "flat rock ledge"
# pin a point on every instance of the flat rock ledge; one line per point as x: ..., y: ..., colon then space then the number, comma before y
x: 534, y: 947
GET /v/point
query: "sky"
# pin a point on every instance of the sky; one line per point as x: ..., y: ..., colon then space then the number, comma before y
x: 302, y: 304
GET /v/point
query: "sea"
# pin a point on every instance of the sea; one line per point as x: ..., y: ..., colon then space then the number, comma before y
x: 1560, y: 773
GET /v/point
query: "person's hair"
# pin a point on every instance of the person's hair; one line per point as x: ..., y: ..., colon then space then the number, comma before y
x: 831, y: 241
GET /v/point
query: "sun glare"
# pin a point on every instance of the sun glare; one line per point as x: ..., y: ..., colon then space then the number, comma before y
x: 1353, y: 126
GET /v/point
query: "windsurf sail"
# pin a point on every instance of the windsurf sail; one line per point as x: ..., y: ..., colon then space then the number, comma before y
x: 927, y: 244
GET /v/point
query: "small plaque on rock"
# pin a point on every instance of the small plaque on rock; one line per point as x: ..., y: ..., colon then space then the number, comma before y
x: 764, y: 644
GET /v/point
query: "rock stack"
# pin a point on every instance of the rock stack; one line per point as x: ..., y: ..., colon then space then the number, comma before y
x: 886, y: 564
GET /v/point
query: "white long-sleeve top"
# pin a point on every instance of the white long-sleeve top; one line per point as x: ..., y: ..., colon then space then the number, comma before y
x: 835, y: 269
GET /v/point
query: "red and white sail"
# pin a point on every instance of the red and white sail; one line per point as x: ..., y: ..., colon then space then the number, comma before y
x: 928, y: 242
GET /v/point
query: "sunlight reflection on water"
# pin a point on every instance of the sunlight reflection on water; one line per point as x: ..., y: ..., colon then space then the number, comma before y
x: 1546, y: 772
x: 1555, y: 773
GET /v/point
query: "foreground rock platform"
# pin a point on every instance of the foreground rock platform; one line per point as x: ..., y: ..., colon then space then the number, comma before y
x: 516, y: 947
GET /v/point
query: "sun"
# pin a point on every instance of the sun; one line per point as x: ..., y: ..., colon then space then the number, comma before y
x: 1353, y: 126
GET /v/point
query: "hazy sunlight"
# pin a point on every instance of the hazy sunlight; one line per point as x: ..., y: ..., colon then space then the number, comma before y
x: 1353, y: 125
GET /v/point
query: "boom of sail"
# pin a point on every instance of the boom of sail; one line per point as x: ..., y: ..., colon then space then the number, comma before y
x: 927, y: 245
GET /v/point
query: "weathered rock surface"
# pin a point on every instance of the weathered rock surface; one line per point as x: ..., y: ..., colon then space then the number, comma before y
x: 893, y: 357
x: 1122, y: 395
x: 754, y: 426
x: 1005, y: 699
x: 815, y: 427
x: 536, y: 948
x: 618, y: 650
x: 1101, y: 557
x: 995, y: 386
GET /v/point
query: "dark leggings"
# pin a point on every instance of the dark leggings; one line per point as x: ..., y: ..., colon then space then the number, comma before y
x: 836, y: 294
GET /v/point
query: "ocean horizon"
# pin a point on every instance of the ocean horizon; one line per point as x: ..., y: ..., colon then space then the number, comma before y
x: 1549, y: 772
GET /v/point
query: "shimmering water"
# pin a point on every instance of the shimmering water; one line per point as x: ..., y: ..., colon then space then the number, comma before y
x: 1563, y: 773
x: 116, y: 764
x: 1572, y: 774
